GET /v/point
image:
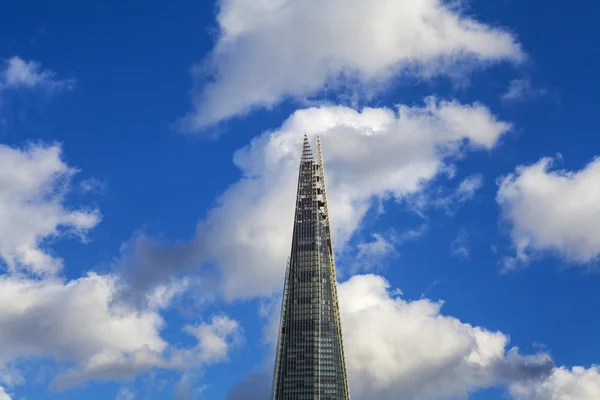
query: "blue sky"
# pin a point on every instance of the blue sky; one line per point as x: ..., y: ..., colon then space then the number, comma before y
x: 148, y: 158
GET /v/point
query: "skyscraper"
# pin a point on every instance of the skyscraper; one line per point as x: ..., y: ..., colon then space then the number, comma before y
x: 310, y: 362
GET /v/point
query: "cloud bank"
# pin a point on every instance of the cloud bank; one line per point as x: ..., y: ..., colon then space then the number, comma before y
x: 376, y: 153
x: 77, y: 322
x: 269, y: 50
x: 396, y: 348
x: 409, y: 350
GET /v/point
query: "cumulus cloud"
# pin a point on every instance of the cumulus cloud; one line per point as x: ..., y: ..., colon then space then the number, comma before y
x: 19, y: 73
x: 154, y: 270
x: 268, y: 50
x: 215, y: 339
x: 376, y: 153
x: 552, y: 210
x: 4, y: 395
x: 408, y: 349
x: 401, y: 349
x: 373, y: 154
x: 563, y: 384
x: 78, y: 324
x: 521, y: 89
x: 34, y: 181
x: 72, y: 322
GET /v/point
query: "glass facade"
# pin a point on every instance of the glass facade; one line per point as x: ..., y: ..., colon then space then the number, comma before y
x: 310, y: 354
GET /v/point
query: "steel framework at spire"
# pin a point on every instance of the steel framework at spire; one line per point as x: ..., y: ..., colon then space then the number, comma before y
x: 310, y: 362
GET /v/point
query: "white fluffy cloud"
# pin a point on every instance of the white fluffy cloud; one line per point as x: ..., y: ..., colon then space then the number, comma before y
x: 576, y: 384
x: 19, y: 73
x: 215, y: 339
x: 33, y: 183
x: 409, y: 350
x: 375, y: 153
x: 78, y: 323
x: 268, y: 50
x: 4, y: 395
x: 74, y: 323
x: 399, y: 349
x: 553, y: 210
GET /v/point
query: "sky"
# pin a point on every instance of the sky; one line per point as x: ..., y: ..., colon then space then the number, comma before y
x: 148, y: 164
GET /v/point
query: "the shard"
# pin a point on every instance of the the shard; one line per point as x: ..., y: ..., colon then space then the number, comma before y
x: 310, y: 362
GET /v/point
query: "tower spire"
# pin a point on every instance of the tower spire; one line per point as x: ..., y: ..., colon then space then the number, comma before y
x: 310, y: 361
x: 307, y: 154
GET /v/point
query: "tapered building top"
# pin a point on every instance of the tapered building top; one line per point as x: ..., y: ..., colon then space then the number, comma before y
x: 310, y: 361
x: 307, y: 154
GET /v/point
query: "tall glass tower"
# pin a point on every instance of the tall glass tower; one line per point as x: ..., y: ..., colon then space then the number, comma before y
x: 310, y: 361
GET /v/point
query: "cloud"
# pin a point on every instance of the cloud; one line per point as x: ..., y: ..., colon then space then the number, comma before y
x: 126, y: 394
x: 374, y: 252
x: 69, y: 321
x: 371, y: 254
x: 521, y: 89
x: 397, y: 348
x: 554, y: 211
x: 450, y: 202
x: 563, y: 384
x: 146, y: 265
x: 113, y: 365
x: 408, y: 349
x: 10, y: 376
x: 374, y: 154
x: 188, y: 388
x: 467, y: 188
x: 76, y: 323
x: 269, y: 50
x: 460, y: 245
x: 34, y: 182
x: 4, y: 395
x: 21, y: 74
x: 73, y: 323
x: 92, y: 185
x: 269, y: 312
x: 215, y: 339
